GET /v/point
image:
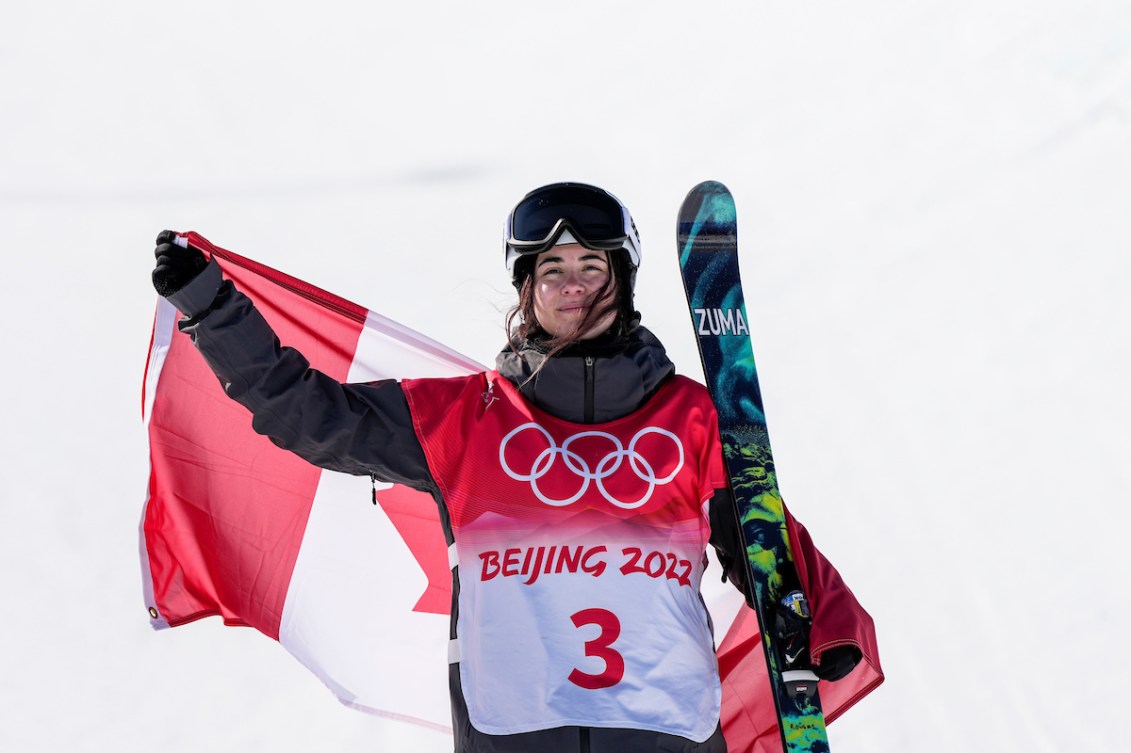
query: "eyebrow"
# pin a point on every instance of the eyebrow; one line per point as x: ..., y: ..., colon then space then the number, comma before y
x: 559, y: 259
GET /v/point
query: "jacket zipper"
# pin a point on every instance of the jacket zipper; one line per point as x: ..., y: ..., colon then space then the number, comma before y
x: 590, y: 379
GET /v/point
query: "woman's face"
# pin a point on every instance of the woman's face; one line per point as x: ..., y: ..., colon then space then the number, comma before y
x: 566, y: 280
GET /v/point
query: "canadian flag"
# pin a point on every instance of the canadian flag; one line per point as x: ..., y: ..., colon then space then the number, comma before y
x: 358, y: 592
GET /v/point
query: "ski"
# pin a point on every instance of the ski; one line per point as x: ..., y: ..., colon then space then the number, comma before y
x: 708, y: 257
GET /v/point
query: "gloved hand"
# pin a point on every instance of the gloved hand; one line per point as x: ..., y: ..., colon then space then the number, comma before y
x: 837, y: 662
x: 176, y: 266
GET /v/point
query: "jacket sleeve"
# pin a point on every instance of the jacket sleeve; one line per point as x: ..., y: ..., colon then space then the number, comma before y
x: 726, y: 539
x: 359, y: 429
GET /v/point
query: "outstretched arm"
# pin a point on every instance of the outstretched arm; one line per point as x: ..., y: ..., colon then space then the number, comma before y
x: 352, y: 428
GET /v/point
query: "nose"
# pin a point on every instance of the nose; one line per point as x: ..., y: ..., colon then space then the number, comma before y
x: 573, y: 283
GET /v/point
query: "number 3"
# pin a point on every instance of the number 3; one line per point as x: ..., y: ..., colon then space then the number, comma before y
x: 600, y: 648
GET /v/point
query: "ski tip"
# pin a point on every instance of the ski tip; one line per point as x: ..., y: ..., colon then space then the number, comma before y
x: 708, y: 210
x: 709, y: 187
x: 708, y: 192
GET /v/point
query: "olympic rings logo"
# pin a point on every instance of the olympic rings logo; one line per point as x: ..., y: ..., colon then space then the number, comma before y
x: 606, y: 467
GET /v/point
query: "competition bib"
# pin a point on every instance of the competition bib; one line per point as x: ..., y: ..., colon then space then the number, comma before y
x: 580, y: 550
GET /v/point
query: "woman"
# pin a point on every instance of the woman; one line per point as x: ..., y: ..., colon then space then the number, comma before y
x: 578, y: 486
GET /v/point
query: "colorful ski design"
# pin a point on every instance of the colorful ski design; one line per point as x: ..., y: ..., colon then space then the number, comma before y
x: 708, y: 257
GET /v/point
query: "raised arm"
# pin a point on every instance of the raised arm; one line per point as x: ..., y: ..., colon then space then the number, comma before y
x: 352, y: 428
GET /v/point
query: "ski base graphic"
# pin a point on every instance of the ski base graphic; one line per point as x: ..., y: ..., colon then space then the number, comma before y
x: 708, y: 257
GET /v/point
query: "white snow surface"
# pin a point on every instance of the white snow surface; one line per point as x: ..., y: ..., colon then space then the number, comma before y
x: 935, y: 258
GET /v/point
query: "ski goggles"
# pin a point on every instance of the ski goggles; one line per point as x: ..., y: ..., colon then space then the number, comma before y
x: 593, y: 217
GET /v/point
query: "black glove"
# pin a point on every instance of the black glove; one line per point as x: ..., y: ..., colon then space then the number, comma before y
x: 837, y: 662
x: 176, y: 266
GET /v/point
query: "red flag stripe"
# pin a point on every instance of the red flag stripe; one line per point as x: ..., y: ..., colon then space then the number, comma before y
x: 224, y: 541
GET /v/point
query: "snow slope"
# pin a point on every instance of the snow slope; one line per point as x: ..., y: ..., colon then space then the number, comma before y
x: 934, y: 200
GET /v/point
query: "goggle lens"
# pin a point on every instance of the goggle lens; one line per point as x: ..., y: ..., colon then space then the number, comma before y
x: 593, y: 215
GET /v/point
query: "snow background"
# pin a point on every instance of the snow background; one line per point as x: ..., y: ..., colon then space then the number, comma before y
x: 930, y: 205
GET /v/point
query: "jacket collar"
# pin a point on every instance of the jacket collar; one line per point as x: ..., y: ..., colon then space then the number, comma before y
x: 594, y: 381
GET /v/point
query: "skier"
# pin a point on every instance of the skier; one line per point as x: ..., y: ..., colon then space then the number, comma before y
x: 578, y: 485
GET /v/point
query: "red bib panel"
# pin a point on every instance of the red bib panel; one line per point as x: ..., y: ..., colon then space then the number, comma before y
x: 580, y: 551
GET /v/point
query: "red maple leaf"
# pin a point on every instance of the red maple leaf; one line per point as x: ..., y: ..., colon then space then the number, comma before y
x: 417, y: 520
